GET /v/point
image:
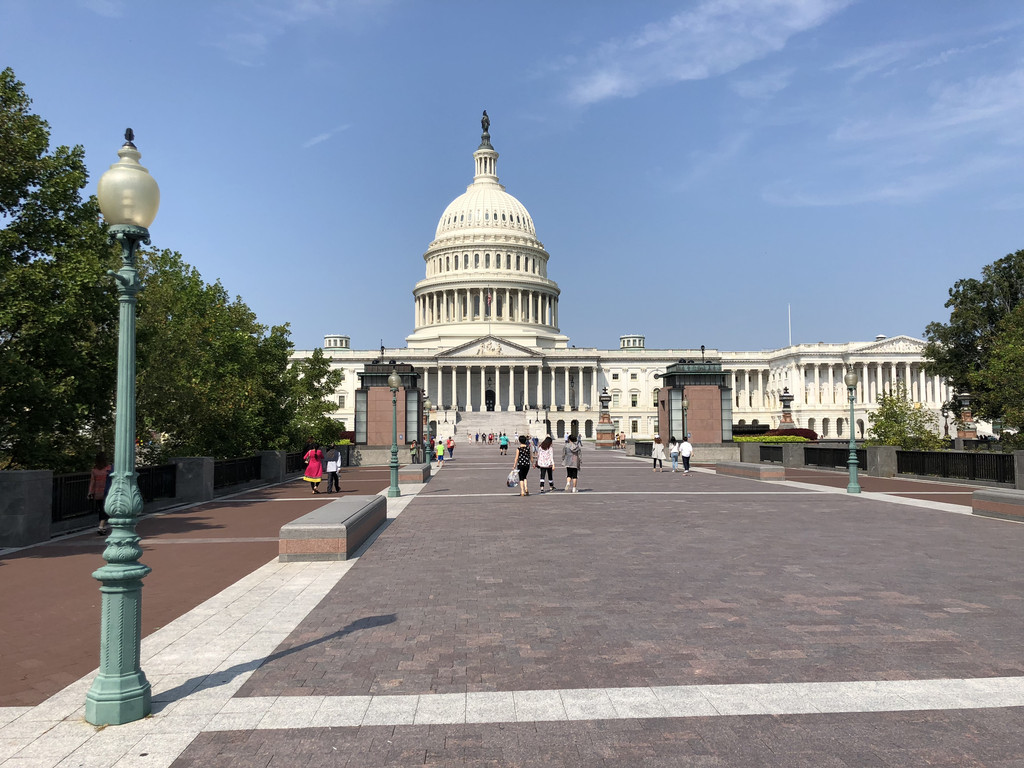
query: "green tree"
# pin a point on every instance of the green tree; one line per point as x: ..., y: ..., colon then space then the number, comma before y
x: 1004, y: 371
x: 984, y: 323
x: 312, y: 382
x: 58, y: 310
x: 211, y: 381
x: 899, y: 421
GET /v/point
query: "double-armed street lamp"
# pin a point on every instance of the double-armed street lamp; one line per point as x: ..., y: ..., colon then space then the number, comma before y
x: 394, y: 383
x: 850, y: 379
x: 129, y: 199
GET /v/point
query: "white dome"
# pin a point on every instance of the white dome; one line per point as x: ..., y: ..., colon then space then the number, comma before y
x: 485, y: 205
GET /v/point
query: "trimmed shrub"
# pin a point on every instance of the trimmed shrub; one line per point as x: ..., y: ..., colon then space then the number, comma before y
x: 770, y: 439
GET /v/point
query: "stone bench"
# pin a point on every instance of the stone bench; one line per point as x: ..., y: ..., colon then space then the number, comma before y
x: 751, y: 471
x: 414, y: 473
x: 1006, y: 504
x: 332, y: 532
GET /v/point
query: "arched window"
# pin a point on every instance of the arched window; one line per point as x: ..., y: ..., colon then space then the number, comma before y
x: 447, y: 263
x: 487, y: 260
x: 476, y: 261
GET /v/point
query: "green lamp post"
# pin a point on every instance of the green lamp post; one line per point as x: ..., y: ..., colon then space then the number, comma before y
x: 395, y: 383
x: 129, y: 199
x: 851, y: 386
x: 686, y: 405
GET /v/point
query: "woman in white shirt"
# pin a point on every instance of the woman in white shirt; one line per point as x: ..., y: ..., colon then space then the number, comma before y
x: 546, y: 463
x: 658, y: 454
x: 673, y: 452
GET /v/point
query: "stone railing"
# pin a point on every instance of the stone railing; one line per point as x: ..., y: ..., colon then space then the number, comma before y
x: 27, y: 497
x: 997, y: 470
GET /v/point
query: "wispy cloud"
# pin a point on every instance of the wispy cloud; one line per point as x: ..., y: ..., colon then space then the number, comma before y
x: 868, y: 61
x: 950, y: 53
x: 992, y: 104
x: 111, y: 9
x: 763, y: 86
x: 255, y: 24
x: 713, y: 38
x: 888, y: 185
x: 704, y: 164
x: 322, y: 137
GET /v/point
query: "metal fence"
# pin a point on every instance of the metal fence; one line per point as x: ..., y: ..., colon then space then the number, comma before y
x: 771, y: 453
x: 961, y: 465
x: 69, y: 496
x: 159, y: 482
x: 833, y: 458
x: 234, y: 471
x: 69, y: 499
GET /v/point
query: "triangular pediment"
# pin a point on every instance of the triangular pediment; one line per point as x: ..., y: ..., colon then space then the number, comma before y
x: 897, y: 344
x: 489, y: 346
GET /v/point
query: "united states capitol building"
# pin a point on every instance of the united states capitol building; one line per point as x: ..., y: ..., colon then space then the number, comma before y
x: 487, y: 344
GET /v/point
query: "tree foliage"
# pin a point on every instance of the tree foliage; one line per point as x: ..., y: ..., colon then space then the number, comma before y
x: 58, y: 311
x: 899, y: 421
x: 311, y: 383
x: 978, y: 350
x: 209, y: 377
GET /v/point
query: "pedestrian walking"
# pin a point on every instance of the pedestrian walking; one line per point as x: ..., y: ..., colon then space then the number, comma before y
x: 333, y: 459
x: 673, y: 452
x: 440, y: 451
x: 522, y: 464
x: 503, y: 444
x: 546, y: 463
x: 658, y: 454
x: 99, y: 482
x: 686, y: 452
x: 572, y: 460
x: 314, y: 459
x: 451, y: 447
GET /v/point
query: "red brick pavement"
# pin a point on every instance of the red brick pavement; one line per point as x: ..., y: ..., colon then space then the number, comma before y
x: 51, y: 604
x: 729, y: 581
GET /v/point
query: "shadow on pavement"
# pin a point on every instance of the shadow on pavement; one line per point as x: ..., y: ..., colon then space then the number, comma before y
x: 226, y: 676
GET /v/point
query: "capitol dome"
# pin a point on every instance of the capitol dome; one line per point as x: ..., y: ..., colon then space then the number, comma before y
x: 486, y: 271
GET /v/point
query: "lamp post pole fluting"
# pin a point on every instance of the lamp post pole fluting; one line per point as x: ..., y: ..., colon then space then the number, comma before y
x: 394, y: 382
x: 129, y: 198
x: 851, y: 386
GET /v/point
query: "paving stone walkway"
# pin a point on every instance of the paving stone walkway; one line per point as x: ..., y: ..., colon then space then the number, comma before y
x: 651, y: 619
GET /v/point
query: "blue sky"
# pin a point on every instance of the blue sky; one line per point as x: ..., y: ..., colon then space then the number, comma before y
x: 693, y: 168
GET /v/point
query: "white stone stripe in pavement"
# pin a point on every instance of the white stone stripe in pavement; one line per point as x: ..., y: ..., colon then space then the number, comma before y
x: 590, y: 492
x: 580, y: 704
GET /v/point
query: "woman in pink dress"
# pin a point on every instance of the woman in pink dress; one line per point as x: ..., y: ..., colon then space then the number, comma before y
x: 314, y: 466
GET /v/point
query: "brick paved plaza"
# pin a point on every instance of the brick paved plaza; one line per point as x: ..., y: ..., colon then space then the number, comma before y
x: 652, y: 619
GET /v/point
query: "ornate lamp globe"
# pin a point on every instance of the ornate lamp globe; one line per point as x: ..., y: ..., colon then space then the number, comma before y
x: 127, y: 194
x: 395, y: 381
x: 850, y: 379
x: 427, y: 405
x: 686, y: 403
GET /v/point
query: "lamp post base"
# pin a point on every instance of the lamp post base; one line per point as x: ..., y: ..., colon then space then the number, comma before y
x: 120, y: 693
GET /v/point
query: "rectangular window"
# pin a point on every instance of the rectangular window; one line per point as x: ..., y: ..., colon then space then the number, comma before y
x: 634, y: 426
x: 615, y: 399
x: 341, y: 401
x: 361, y: 417
x: 615, y: 377
x: 632, y: 377
x: 634, y: 401
x: 412, y: 417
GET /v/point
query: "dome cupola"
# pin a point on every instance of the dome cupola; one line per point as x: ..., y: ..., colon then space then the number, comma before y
x: 486, y: 271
